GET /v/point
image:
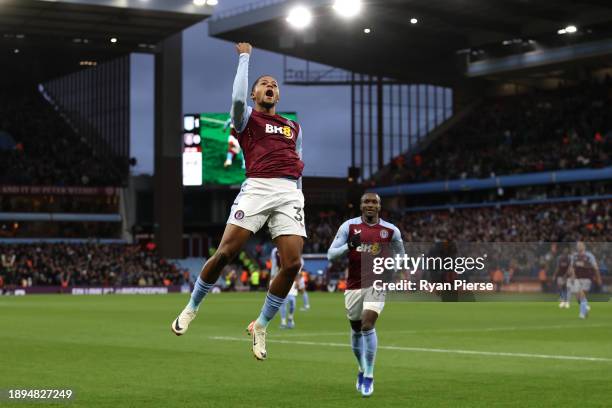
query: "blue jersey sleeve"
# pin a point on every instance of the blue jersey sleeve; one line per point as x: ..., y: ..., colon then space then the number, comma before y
x: 397, y: 244
x: 592, y: 259
x: 339, y: 246
x: 240, y: 111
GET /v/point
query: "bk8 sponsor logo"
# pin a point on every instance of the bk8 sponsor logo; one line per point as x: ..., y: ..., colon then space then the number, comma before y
x: 282, y: 130
x: 373, y: 249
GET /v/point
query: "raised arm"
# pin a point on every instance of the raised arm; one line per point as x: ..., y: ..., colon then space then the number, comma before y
x: 340, y: 245
x: 240, y: 111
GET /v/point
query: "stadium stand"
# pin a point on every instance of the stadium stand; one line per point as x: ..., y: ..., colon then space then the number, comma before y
x: 100, y: 204
x: 531, y: 234
x: 36, y: 230
x: 39, y: 148
x: 567, y: 128
x: 321, y: 229
x: 589, y: 221
x: 541, y: 193
x: 86, y: 265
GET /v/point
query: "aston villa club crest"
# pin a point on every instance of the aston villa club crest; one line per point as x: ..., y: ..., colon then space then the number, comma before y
x: 384, y: 234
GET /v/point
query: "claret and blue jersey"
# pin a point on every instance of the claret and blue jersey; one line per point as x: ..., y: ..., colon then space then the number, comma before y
x: 372, y: 236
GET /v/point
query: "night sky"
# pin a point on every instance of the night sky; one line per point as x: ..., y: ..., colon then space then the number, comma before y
x: 209, y: 66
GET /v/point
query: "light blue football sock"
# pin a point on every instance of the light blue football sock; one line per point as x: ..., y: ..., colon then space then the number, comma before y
x: 283, y: 311
x: 371, y: 344
x: 269, y: 309
x: 357, y: 346
x: 306, y: 299
x: 583, y: 306
x: 200, y: 290
x: 291, y: 303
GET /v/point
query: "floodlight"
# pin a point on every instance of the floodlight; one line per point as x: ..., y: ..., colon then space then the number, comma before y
x: 570, y: 29
x: 299, y: 17
x: 347, y: 8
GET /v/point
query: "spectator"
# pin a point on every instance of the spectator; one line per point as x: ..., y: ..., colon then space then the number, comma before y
x: 85, y: 265
x: 254, y: 280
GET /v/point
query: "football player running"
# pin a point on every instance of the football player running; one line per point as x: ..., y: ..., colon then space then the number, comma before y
x: 362, y: 302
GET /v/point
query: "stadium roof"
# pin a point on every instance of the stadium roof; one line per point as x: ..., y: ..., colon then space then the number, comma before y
x: 63, y: 30
x: 437, y: 48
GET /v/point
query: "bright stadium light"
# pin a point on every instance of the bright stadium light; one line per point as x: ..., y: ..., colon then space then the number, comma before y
x: 570, y: 29
x: 114, y: 40
x: 212, y: 2
x: 199, y: 3
x: 413, y: 20
x: 347, y: 8
x: 367, y: 30
x: 299, y: 17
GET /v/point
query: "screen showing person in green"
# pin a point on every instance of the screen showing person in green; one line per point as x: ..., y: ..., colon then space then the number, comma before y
x: 222, y: 159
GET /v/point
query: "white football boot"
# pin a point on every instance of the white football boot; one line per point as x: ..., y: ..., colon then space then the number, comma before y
x: 181, y: 323
x: 259, y: 340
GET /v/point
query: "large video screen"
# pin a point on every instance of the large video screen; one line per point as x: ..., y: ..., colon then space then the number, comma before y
x: 211, y: 153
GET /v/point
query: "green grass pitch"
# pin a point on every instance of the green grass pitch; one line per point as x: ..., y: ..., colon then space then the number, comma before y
x: 118, y: 351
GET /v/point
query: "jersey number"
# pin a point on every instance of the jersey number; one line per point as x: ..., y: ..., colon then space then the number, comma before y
x: 298, y: 214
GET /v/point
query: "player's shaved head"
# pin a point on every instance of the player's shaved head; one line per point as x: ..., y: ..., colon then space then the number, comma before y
x: 370, y: 207
x: 580, y: 246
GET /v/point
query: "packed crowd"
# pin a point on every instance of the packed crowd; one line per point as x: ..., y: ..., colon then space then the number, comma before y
x: 559, y: 222
x: 85, y: 265
x: 519, y: 239
x: 505, y: 194
x: 321, y: 228
x: 38, y: 148
x: 564, y: 129
x: 114, y: 264
x: 564, y: 222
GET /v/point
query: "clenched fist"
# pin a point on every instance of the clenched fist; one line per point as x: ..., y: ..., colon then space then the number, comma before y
x: 243, y: 48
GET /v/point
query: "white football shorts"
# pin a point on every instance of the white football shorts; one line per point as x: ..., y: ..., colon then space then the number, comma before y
x: 578, y: 284
x: 277, y: 201
x: 358, y: 300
